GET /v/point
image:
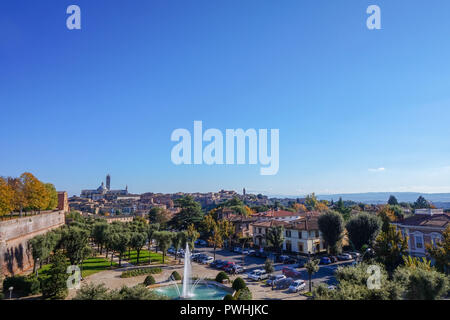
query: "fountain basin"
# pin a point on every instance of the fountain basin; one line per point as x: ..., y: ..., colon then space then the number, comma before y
x: 203, y: 291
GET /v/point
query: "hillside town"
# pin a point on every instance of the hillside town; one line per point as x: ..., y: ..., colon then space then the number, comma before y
x: 251, y: 246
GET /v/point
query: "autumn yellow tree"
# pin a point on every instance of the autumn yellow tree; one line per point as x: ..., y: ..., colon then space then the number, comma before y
x: 6, y: 197
x: 19, y: 201
x: 36, y: 194
x: 51, y: 196
x: 387, y: 216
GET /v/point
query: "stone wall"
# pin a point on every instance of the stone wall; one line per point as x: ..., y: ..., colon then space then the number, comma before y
x: 15, y: 255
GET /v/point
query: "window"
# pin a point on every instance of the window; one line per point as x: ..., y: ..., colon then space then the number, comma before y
x: 259, y: 230
x: 300, y: 247
x: 288, y: 233
x: 317, y: 233
x: 300, y: 236
x: 419, y: 242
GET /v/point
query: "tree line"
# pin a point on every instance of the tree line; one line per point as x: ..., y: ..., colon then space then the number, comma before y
x: 26, y: 193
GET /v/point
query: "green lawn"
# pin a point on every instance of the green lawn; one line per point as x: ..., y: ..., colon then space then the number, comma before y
x: 90, y: 266
x: 144, y: 257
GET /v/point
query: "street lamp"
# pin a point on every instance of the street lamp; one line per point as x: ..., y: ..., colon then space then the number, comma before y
x: 10, y: 292
x: 37, y: 269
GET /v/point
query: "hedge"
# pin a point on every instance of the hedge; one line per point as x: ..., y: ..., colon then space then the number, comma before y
x: 140, y: 272
x: 149, y: 280
x: 28, y: 285
x: 239, y: 284
x: 175, y: 275
x: 222, y: 276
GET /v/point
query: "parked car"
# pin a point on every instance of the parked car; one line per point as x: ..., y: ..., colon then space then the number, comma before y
x: 355, y: 255
x: 251, y: 253
x: 221, y: 264
x: 331, y: 287
x: 333, y: 259
x: 200, y: 257
x: 171, y: 250
x: 344, y: 257
x: 207, y: 260
x: 194, y: 255
x: 235, y: 269
x: 258, y: 275
x: 245, y: 251
x: 237, y: 249
x: 291, y: 272
x: 290, y: 260
x: 215, y: 263
x: 201, y: 242
x: 325, y: 260
x: 274, y: 279
x: 227, y: 265
x: 297, y: 285
x: 281, y: 258
x: 284, y: 283
x: 301, y: 264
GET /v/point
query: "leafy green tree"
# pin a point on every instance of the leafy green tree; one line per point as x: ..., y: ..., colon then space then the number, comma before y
x: 440, y: 252
x: 152, y: 228
x: 422, y: 282
x: 120, y: 244
x: 268, y: 266
x: 421, y: 203
x: 164, y: 239
x: 363, y: 229
x: 275, y: 238
x: 390, y: 247
x: 92, y: 291
x: 55, y: 285
x: 312, y: 266
x: 190, y: 213
x: 392, y: 201
x: 331, y: 225
x: 39, y: 250
x: 158, y: 215
x: 99, y: 233
x: 76, y: 244
x: 137, y: 241
x: 353, y: 285
x: 342, y: 209
x: 191, y: 236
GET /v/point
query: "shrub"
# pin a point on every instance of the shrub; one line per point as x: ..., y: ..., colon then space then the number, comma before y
x: 239, y: 284
x: 244, y: 294
x: 228, y: 297
x: 149, y: 280
x: 140, y: 272
x: 222, y: 276
x: 26, y: 285
x: 175, y: 275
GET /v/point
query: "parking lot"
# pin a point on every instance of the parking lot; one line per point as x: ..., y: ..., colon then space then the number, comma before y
x: 259, y: 289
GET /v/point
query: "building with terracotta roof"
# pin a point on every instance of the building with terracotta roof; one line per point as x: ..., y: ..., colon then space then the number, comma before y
x: 424, y: 227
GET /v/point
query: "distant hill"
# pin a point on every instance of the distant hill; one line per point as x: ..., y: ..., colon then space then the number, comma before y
x: 440, y: 200
x: 382, y: 197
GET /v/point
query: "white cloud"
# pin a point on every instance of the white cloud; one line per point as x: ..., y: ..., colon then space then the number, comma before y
x: 377, y: 169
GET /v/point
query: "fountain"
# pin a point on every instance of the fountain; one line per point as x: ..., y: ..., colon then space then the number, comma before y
x: 189, y: 289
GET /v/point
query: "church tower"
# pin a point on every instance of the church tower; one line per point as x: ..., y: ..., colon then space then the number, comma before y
x: 108, y: 182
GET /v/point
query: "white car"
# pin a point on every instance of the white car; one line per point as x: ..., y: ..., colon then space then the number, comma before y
x: 297, y: 285
x: 275, y: 279
x: 258, y: 275
x: 207, y: 260
x: 245, y: 252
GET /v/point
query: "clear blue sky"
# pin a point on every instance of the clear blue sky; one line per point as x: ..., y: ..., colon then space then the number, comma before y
x: 76, y: 105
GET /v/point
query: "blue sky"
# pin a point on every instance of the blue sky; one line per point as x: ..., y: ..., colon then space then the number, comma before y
x: 358, y: 110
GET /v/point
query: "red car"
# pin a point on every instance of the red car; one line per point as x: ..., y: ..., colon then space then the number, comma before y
x: 291, y: 272
x: 227, y: 266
